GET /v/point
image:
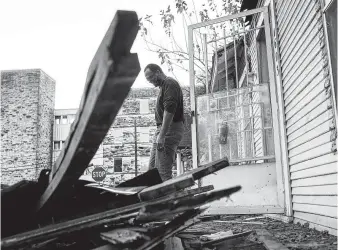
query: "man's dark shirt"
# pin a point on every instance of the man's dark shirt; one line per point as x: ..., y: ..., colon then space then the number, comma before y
x: 169, y: 99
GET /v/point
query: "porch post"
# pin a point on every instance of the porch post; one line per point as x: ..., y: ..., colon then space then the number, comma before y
x: 179, y: 163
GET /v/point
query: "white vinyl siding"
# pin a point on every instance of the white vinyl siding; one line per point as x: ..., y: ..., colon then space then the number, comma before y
x: 310, y: 121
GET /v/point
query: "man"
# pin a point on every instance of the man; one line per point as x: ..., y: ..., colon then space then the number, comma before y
x: 169, y: 120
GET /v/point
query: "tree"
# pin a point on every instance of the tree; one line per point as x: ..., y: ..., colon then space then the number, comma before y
x: 174, y: 21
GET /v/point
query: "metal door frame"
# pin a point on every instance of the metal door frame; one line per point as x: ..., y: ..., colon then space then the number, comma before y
x: 283, y: 201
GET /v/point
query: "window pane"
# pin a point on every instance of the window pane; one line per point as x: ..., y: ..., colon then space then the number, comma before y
x: 117, y: 165
x: 64, y: 119
x: 57, y: 119
x: 57, y: 145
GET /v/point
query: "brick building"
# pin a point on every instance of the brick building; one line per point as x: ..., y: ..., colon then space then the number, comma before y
x: 27, y: 106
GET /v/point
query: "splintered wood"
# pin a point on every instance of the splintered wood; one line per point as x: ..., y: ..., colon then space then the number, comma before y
x: 110, y: 77
x: 181, y: 208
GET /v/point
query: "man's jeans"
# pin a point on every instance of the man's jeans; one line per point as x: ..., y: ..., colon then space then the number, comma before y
x: 163, y: 159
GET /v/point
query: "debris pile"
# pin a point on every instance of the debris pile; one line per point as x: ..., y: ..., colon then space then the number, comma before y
x: 143, y: 217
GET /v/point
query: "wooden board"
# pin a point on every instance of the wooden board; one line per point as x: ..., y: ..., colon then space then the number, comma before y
x: 167, y: 187
x: 117, y: 215
x: 182, y: 181
x: 110, y: 77
x: 117, y: 190
x: 162, y: 210
x: 178, y: 224
x: 208, y: 168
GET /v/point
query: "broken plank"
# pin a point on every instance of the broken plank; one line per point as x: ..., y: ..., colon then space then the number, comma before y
x: 240, y: 222
x: 118, y: 190
x: 167, y: 187
x: 110, y: 77
x: 56, y: 230
x: 227, y: 240
x: 181, y: 222
x: 187, y: 192
x: 163, y: 210
x: 182, y: 181
x: 70, y: 226
x: 207, y: 169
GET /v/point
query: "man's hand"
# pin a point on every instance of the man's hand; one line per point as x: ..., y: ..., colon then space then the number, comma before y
x: 160, y: 143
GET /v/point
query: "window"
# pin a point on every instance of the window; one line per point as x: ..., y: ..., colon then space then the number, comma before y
x: 57, y: 119
x: 57, y: 145
x: 64, y: 119
x: 117, y: 165
x: 263, y: 72
x: 331, y: 24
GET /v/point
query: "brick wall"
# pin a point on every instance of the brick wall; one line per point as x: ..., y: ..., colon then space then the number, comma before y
x: 27, y: 106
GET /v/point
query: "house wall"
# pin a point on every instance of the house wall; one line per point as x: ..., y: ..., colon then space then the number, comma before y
x: 27, y: 104
x: 309, y: 116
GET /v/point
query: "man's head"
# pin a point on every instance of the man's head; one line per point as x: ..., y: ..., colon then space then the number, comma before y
x: 154, y: 74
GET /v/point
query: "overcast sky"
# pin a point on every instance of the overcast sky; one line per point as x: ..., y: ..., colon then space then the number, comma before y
x: 62, y: 36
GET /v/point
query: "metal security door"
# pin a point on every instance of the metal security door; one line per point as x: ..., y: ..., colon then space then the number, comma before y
x: 233, y: 95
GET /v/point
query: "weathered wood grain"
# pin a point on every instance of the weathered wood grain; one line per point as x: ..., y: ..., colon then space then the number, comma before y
x: 167, y: 187
x: 110, y: 77
x: 182, y: 181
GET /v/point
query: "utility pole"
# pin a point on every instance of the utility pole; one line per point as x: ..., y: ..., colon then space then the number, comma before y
x: 135, y: 139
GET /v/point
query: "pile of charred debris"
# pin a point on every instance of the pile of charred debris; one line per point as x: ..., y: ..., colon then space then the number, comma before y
x: 137, y: 214
x: 61, y: 211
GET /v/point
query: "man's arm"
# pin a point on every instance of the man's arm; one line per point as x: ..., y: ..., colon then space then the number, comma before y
x: 167, y: 119
x: 170, y: 100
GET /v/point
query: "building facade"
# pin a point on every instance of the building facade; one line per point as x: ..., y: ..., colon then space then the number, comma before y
x: 27, y: 107
x: 135, y: 120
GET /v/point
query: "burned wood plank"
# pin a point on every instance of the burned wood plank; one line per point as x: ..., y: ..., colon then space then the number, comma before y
x: 180, y: 223
x: 167, y: 187
x: 110, y: 77
x: 165, y: 210
x: 53, y: 231
x: 226, y: 240
x: 187, y: 192
x: 208, y: 168
x: 117, y: 190
x: 70, y: 226
x: 182, y: 181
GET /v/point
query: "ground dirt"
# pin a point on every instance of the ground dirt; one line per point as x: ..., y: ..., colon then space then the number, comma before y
x: 293, y: 236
